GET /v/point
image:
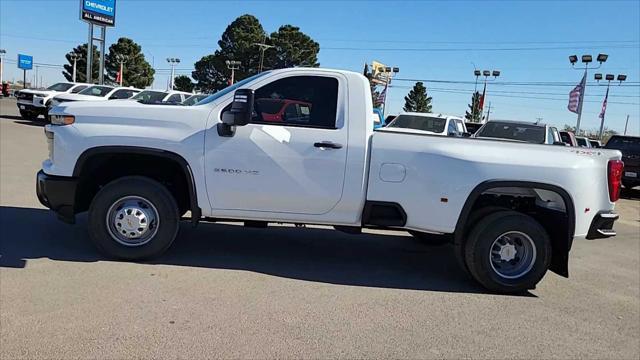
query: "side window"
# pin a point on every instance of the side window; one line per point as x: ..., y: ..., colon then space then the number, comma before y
x: 121, y: 94
x: 77, y: 89
x: 460, y: 127
x: 451, y: 129
x: 549, y: 135
x: 309, y: 101
x: 175, y: 98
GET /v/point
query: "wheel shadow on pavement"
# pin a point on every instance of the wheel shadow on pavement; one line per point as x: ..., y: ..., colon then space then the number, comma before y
x: 309, y: 254
x: 22, y: 121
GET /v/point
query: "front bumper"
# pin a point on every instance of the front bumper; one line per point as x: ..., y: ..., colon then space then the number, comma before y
x: 58, y: 194
x: 602, y: 226
x: 40, y: 110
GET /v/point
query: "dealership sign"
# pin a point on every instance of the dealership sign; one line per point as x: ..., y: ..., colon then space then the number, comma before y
x: 25, y: 62
x: 99, y: 12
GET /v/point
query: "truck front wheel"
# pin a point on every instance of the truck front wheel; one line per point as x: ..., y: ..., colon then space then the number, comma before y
x: 133, y: 218
x: 508, y: 252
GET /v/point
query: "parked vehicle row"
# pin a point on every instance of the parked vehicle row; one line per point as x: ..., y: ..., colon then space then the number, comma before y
x: 137, y: 168
x: 34, y: 103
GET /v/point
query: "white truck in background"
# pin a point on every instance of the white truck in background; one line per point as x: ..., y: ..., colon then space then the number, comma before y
x: 511, y: 210
x: 33, y: 102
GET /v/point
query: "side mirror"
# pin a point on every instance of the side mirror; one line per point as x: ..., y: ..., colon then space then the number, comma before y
x: 239, y: 114
x: 241, y: 108
x: 559, y: 143
x: 466, y: 134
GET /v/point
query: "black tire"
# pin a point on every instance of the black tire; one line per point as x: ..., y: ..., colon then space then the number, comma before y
x: 430, y: 239
x: 478, y: 249
x: 152, y: 191
x: 472, y: 220
x: 27, y: 115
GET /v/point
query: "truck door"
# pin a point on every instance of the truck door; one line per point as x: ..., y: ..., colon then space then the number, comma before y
x: 296, y: 165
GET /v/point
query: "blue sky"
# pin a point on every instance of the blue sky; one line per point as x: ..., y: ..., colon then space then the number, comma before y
x: 352, y: 33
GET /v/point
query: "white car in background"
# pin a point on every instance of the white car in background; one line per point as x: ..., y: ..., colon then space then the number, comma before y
x: 428, y: 123
x: 161, y: 96
x: 96, y: 93
x: 33, y: 103
x: 194, y: 99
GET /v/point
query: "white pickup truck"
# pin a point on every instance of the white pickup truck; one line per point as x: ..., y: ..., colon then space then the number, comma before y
x: 511, y: 210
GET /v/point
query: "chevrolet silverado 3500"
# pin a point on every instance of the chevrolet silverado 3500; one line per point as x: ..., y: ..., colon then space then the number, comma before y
x: 511, y: 210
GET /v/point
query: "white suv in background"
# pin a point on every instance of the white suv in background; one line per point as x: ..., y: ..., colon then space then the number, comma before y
x: 97, y: 93
x: 428, y: 123
x: 33, y: 103
x: 161, y: 96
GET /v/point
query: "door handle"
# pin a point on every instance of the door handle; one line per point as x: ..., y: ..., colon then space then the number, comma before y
x: 328, y: 145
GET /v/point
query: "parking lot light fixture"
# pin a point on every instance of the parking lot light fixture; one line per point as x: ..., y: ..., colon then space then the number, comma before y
x: 610, y: 77
x: 173, y: 62
x: 486, y: 73
x: 587, y: 59
x: 495, y: 73
x: 622, y: 77
x: 573, y: 59
x: 602, y: 58
x: 597, y: 77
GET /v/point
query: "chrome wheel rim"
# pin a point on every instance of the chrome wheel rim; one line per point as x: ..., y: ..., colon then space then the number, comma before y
x: 512, y: 255
x: 132, y: 221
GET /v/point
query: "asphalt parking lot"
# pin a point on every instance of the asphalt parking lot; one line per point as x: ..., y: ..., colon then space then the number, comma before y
x: 229, y: 292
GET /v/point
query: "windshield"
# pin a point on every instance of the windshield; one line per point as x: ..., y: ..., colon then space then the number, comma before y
x: 96, y: 91
x: 193, y: 99
x: 231, y: 88
x: 426, y: 123
x: 150, y: 96
x: 60, y: 87
x: 626, y: 144
x: 582, y: 142
x: 513, y: 131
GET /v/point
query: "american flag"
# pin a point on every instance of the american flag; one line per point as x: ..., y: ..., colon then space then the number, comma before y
x: 574, y: 95
x: 604, y: 104
x: 380, y: 99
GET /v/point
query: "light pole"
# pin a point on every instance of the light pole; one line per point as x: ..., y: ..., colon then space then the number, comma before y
x: 121, y: 59
x: 73, y: 56
x: 173, y: 62
x: 586, y: 60
x: 2, y: 52
x: 233, y: 65
x: 486, y: 73
x: 391, y: 71
x: 609, y: 78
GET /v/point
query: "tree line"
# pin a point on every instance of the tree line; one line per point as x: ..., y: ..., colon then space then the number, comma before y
x: 286, y: 47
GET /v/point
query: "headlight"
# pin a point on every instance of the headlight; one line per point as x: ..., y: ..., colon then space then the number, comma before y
x: 62, y: 119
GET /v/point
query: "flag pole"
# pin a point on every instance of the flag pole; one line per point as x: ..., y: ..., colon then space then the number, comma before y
x: 584, y: 88
x: 604, y: 110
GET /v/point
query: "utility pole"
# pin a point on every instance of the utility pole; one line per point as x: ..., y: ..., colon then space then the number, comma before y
x: 173, y: 62
x: 263, y: 47
x: 626, y: 124
x: 488, y: 111
x: 74, y: 57
x: 233, y: 65
x: 2, y: 52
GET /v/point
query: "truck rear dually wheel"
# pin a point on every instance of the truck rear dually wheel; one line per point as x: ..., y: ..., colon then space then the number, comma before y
x: 133, y: 218
x: 508, y: 252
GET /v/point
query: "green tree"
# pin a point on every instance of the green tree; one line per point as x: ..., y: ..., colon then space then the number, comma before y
x: 292, y: 48
x: 474, y: 114
x: 417, y: 99
x: 183, y: 83
x: 81, y: 64
x: 137, y: 71
x: 237, y: 43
